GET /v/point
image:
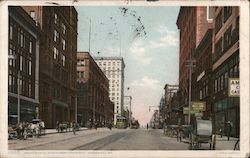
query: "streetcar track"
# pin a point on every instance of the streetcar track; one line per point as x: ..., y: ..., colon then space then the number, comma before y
x: 99, y: 143
x: 57, y: 141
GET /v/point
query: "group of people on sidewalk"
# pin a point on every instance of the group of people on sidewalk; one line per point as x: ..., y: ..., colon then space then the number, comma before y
x: 61, y: 126
x: 228, y: 130
x: 24, y: 129
x: 95, y: 125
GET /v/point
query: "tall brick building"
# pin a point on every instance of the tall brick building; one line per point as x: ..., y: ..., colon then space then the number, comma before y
x: 216, y: 54
x: 192, y: 23
x: 57, y: 90
x: 225, y: 59
x: 93, y: 92
x: 24, y: 41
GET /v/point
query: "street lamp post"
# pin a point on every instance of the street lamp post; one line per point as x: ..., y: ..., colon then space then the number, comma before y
x: 76, y: 108
x: 18, y: 97
x: 190, y: 66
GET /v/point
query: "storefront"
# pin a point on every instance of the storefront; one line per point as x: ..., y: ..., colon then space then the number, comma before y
x: 227, y: 110
x: 28, y: 110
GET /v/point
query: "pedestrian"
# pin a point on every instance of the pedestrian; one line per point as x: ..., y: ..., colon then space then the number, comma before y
x: 18, y: 131
x: 25, y: 131
x: 147, y: 125
x: 95, y: 125
x: 221, y: 133
x: 74, y: 128
x: 228, y: 130
x: 57, y: 126
x: 21, y: 130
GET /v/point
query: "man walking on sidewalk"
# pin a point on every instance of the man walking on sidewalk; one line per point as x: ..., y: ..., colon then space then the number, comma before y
x: 228, y: 130
x: 74, y: 128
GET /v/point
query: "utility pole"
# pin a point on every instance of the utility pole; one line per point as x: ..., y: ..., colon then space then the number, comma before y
x: 89, y: 34
x: 190, y: 66
x: 76, y: 108
x: 18, y: 97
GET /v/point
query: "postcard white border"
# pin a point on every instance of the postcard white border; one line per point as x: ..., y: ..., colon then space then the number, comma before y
x: 244, y: 81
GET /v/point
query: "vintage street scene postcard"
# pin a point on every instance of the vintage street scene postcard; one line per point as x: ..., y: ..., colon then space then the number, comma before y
x: 124, y: 78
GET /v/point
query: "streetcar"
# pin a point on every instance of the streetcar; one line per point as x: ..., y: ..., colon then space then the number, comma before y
x: 121, y: 122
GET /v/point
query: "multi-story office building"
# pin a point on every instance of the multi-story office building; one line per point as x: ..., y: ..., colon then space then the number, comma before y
x: 225, y: 65
x: 113, y: 68
x: 57, y: 60
x: 192, y: 23
x: 93, y: 103
x: 202, y: 84
x: 23, y: 77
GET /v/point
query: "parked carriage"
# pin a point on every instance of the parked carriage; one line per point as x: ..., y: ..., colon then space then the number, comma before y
x: 63, y: 126
x: 201, y: 132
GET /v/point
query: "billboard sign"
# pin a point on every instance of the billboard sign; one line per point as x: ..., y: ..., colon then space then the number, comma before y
x: 233, y: 87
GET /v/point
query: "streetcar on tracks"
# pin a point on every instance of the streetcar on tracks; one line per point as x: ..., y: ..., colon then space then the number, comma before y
x: 121, y: 122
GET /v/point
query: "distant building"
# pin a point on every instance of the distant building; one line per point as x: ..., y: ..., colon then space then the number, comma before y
x: 23, y: 73
x: 93, y: 103
x: 113, y: 68
x: 225, y: 60
x: 57, y: 60
x: 171, y: 102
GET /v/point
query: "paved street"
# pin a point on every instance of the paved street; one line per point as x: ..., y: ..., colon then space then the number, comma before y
x: 116, y: 139
x: 101, y: 139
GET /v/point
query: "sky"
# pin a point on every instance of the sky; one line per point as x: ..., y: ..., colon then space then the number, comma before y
x: 148, y: 40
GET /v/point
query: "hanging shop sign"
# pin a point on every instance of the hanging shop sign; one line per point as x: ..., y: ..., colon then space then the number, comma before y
x: 199, y: 106
x: 200, y: 76
x: 233, y: 87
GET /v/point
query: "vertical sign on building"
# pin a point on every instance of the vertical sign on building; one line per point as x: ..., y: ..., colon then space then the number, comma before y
x: 233, y: 87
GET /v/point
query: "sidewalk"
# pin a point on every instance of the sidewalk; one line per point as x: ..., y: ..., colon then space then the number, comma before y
x: 54, y: 131
x: 221, y: 143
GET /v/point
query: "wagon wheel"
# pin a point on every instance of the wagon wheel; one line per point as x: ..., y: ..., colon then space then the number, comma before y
x: 191, y: 141
x: 212, y: 142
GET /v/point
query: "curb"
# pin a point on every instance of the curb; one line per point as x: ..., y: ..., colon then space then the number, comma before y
x: 62, y: 132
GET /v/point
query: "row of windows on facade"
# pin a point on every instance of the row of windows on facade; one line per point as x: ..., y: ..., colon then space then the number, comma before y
x: 104, y: 63
x: 114, y: 94
x: 226, y: 103
x: 113, y: 76
x: 230, y: 70
x: 59, y: 56
x: 23, y: 63
x: 56, y: 39
x: 221, y: 81
x: 55, y: 91
x: 230, y: 37
x: 24, y: 40
x: 81, y: 62
x: 222, y: 17
x: 57, y: 22
x: 113, y: 89
x: 24, y: 84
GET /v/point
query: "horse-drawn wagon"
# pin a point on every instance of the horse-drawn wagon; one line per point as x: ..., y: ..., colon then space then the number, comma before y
x: 201, y: 132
